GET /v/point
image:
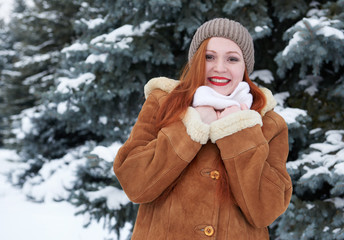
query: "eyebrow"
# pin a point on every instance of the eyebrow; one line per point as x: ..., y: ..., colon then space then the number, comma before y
x: 226, y: 52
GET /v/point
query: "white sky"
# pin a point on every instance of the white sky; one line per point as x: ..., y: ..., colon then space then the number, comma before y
x: 5, y: 9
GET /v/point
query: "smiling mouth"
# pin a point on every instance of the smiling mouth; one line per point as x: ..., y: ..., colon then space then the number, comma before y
x: 219, y: 81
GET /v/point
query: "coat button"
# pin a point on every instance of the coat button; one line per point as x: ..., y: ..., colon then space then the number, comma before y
x: 209, y: 231
x: 215, y: 175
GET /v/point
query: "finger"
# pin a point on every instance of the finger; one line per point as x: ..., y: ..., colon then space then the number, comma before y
x: 218, y: 114
x: 243, y: 106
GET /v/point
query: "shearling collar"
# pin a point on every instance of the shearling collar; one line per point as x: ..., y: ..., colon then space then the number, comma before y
x: 167, y: 85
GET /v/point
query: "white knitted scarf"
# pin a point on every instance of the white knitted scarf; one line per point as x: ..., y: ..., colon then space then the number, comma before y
x: 206, y: 96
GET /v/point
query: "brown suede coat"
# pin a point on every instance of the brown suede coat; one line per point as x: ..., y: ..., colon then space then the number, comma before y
x: 175, y: 172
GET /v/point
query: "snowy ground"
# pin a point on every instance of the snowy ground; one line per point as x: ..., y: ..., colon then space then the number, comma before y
x: 22, y: 219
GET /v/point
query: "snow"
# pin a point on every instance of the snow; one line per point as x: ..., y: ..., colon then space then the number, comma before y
x: 11, y: 73
x: 27, y: 125
x: 122, y: 36
x: 338, y: 202
x: 49, y: 15
x: 114, y: 197
x: 6, y: 9
x: 326, y: 147
x: 264, y: 75
x: 125, y: 30
x: 75, y: 47
x: 103, y: 120
x: 93, y: 58
x: 62, y: 107
x: 50, y: 219
x: 315, y: 130
x: 22, y: 219
x: 259, y: 29
x: 92, y: 23
x: 325, y: 157
x: 325, y: 28
x: 294, y: 41
x: 290, y: 114
x: 320, y: 26
x: 26, y: 60
x: 53, y: 179
x: 311, y: 82
x: 281, y: 97
x: 339, y: 169
x: 309, y: 206
x: 311, y: 90
x: 335, y: 137
x: 334, y: 142
x: 107, y: 153
x: 25, y: 117
x: 330, y: 31
x: 316, y: 171
x: 34, y: 78
x: 68, y: 83
x: 7, y: 52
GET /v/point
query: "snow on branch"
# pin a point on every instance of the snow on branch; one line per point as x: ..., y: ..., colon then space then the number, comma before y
x: 323, y: 163
x: 311, y: 43
x: 67, y: 83
x: 122, y: 36
x: 114, y: 197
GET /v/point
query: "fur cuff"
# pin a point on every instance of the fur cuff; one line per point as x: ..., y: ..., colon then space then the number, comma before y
x: 195, y: 127
x: 233, y: 123
x: 270, y: 101
x: 162, y: 83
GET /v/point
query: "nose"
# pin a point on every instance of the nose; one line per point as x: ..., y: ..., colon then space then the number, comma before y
x: 220, y: 66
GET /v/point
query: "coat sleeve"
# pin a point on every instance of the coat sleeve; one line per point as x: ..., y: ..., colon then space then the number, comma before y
x: 255, y: 159
x: 151, y: 160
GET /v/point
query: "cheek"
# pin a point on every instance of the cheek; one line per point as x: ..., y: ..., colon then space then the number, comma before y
x: 239, y: 72
x: 207, y: 68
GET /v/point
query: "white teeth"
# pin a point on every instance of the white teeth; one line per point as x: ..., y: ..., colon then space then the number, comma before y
x: 219, y: 80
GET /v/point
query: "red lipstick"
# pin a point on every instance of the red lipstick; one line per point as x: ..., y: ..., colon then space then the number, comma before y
x: 219, y: 81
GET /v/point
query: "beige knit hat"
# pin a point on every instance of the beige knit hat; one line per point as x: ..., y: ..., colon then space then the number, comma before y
x: 222, y: 27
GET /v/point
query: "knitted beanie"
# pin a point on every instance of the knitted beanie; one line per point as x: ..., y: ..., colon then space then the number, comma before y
x: 222, y: 27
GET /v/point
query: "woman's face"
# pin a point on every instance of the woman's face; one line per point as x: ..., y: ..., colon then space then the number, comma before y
x: 224, y: 65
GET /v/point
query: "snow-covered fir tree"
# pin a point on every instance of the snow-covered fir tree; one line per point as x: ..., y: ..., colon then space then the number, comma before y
x: 82, y: 68
x: 5, y: 57
x: 38, y: 31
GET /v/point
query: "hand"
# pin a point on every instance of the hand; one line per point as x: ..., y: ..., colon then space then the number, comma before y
x: 231, y: 109
x: 208, y: 114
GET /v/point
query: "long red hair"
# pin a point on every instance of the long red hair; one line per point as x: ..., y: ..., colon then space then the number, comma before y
x: 193, y: 76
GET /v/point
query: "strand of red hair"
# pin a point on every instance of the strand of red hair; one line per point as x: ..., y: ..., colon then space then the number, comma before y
x: 177, y: 102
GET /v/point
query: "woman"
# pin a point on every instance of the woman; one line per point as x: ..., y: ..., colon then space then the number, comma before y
x: 207, y: 156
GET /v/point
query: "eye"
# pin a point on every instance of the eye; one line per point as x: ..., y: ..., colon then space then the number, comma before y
x: 209, y: 57
x: 233, y: 59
